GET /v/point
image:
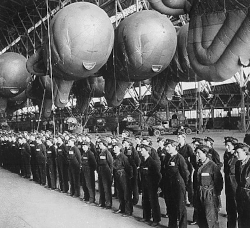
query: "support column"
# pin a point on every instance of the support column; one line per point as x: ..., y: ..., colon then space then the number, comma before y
x: 199, y: 111
x: 242, y: 92
x: 167, y: 111
x: 140, y: 117
x: 212, y: 115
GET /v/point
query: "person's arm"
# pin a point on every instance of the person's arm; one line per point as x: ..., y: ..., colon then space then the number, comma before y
x: 218, y: 180
x: 183, y: 169
x: 109, y: 160
x: 136, y: 157
x: 78, y: 155
x: 216, y: 158
x: 156, y: 173
x: 127, y: 167
x: 92, y: 160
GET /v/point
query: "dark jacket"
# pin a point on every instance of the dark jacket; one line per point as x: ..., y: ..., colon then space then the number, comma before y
x: 121, y: 164
x: 209, y: 176
x: 88, y: 159
x: 229, y: 170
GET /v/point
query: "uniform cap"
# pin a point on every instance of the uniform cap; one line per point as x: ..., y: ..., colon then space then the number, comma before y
x: 85, y: 143
x: 182, y: 132
x: 118, y: 144
x: 72, y: 139
x: 103, y: 141
x: 170, y: 141
x: 205, y: 149
x: 160, y: 139
x: 243, y: 146
x: 197, y: 140
x: 127, y: 140
x: 146, y: 147
x: 230, y: 139
x: 208, y: 139
x: 146, y: 138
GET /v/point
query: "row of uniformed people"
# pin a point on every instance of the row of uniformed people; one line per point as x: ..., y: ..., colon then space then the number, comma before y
x: 169, y: 172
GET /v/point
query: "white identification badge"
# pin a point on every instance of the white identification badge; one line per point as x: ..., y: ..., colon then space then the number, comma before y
x: 146, y: 168
x: 59, y: 150
x: 172, y: 164
x: 205, y: 174
x: 49, y: 152
x: 71, y: 152
x: 85, y: 158
x: 102, y: 157
x: 37, y: 149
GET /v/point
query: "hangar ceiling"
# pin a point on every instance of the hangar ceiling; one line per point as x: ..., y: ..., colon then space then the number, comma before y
x: 23, y: 23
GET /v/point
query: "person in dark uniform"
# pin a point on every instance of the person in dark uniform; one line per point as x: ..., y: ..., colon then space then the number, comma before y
x: 123, y: 173
x: 74, y: 161
x: 138, y: 149
x: 151, y: 177
x: 51, y: 164
x: 212, y: 152
x: 230, y: 160
x: 135, y: 161
x: 214, y: 156
x: 41, y: 160
x: 209, y: 187
x: 196, y: 142
x: 148, y: 142
x: 33, y: 161
x: 162, y: 153
x: 91, y: 144
x: 5, y: 151
x: 242, y: 175
x: 176, y: 176
x: 25, y: 156
x: 16, y: 155
x: 62, y: 165
x: 105, y: 172
x: 89, y: 165
x: 187, y: 152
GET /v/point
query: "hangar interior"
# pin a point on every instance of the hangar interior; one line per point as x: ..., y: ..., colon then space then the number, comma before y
x: 23, y: 26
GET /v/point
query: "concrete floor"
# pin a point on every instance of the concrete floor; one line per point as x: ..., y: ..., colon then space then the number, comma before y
x: 26, y: 204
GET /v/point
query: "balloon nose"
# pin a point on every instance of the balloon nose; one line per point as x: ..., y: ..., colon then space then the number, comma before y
x: 63, y: 100
x: 88, y: 65
x: 156, y: 68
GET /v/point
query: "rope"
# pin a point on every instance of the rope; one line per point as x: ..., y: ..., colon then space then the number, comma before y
x: 50, y: 67
x: 40, y: 115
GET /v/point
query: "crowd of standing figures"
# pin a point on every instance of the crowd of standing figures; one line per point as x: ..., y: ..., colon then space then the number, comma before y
x: 181, y: 173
